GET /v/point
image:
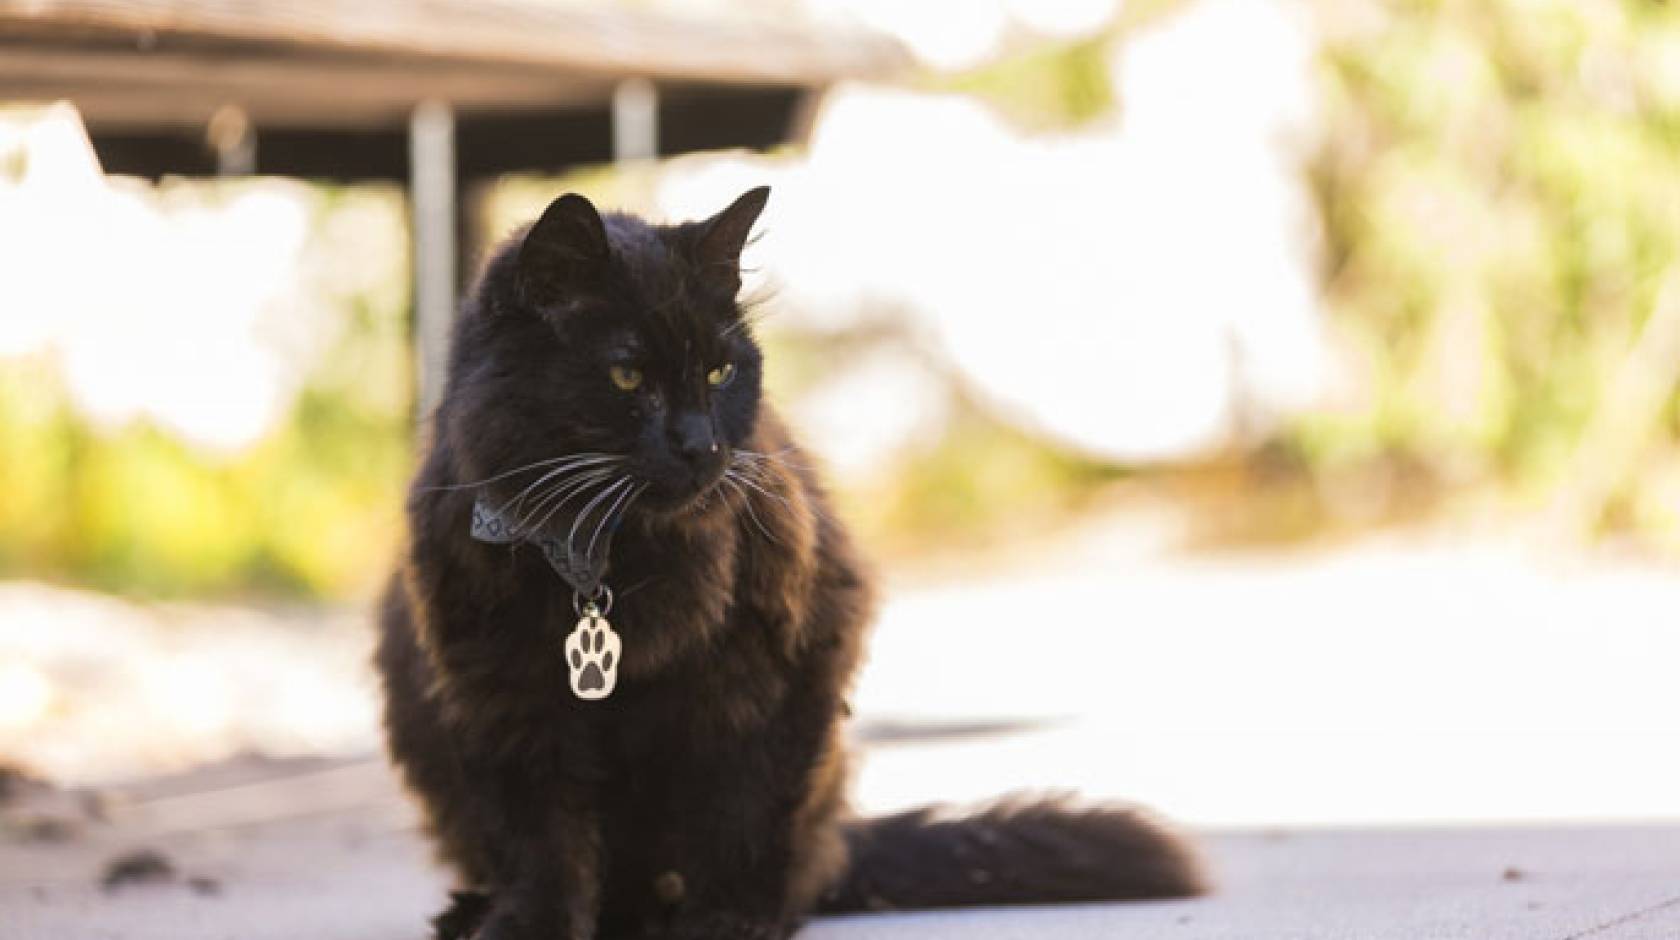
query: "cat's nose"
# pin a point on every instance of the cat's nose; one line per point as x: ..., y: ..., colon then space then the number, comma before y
x: 693, y: 440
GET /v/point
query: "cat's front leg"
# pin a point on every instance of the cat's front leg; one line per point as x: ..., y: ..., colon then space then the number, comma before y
x: 546, y: 905
x: 723, y: 925
x: 717, y: 897
x: 529, y: 912
x: 552, y: 873
x: 723, y: 899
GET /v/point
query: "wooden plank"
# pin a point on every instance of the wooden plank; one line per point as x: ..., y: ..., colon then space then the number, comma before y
x: 605, y: 39
x: 125, y: 88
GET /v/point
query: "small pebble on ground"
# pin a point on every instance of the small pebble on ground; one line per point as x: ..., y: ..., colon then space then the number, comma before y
x: 139, y: 867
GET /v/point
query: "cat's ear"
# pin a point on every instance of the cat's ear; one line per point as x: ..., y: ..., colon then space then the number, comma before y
x: 564, y: 255
x: 717, y: 252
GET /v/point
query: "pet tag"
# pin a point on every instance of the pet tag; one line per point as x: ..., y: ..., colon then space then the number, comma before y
x: 592, y: 654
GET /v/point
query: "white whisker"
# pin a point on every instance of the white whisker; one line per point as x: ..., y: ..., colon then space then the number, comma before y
x: 581, y: 487
x: 563, y: 488
x: 571, y: 535
x: 500, y: 476
x: 580, y: 463
x: 746, y: 500
x: 589, y: 552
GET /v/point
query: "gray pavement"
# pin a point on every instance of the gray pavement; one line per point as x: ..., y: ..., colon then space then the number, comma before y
x: 327, y: 850
x: 1466, y: 691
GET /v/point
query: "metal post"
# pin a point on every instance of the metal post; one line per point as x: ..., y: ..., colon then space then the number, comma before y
x: 431, y: 183
x: 234, y: 141
x: 635, y: 120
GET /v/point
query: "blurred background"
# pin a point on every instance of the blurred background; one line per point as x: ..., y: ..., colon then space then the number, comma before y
x: 1268, y: 410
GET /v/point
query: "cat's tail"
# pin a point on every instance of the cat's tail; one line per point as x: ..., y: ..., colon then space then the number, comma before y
x: 1022, y: 850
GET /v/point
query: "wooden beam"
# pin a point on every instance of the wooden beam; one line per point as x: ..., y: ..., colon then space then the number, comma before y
x: 604, y: 39
x: 486, y: 144
x: 126, y: 88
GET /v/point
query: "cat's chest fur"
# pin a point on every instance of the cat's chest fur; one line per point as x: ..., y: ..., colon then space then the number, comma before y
x: 687, y: 633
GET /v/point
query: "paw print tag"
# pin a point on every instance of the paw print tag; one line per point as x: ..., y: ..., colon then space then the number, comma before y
x: 592, y: 655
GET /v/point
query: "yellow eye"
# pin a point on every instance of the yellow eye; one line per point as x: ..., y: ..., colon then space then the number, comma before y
x: 626, y: 378
x: 720, y: 376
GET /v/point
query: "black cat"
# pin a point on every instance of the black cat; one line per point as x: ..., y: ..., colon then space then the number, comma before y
x: 602, y: 429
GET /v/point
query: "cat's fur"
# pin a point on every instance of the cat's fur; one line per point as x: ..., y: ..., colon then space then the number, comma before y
x: 704, y: 798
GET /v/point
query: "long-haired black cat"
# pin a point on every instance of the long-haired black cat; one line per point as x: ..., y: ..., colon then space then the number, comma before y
x: 616, y: 653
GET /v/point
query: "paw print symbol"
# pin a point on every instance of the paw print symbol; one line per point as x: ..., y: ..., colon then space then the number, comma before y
x: 592, y: 655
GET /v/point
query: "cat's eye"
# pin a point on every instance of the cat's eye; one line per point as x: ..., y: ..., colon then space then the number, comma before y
x: 721, y: 376
x: 626, y: 378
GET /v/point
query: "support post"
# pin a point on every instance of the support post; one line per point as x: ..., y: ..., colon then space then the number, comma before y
x: 432, y: 193
x: 635, y: 121
x: 234, y: 141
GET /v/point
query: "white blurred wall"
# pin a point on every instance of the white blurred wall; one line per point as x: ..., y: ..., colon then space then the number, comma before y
x: 198, y: 307
x: 1142, y: 290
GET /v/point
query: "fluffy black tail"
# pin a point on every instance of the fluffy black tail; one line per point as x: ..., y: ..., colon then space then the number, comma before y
x: 1019, y: 851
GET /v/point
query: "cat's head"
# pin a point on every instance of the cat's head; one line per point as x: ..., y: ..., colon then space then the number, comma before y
x: 603, y: 348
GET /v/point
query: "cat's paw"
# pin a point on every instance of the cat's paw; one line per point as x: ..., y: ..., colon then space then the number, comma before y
x: 507, y: 921
x: 462, y: 918
x: 720, y: 926
x: 593, y: 652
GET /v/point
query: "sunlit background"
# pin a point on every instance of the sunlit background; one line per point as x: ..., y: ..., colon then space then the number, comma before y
x: 1265, y: 410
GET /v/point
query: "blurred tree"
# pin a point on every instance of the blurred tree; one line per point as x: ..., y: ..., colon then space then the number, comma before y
x: 310, y: 509
x: 1501, y: 189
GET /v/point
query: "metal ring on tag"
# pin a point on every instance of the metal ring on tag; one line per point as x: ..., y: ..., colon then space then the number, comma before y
x: 602, y: 601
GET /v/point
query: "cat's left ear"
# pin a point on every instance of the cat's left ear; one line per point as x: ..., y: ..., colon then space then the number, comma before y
x: 564, y: 256
x: 723, y: 236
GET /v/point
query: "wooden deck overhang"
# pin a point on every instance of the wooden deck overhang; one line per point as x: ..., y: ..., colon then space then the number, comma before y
x: 148, y: 64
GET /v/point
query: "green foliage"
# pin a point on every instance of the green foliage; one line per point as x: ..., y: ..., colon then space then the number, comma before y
x: 311, y: 509
x: 1500, y: 184
x: 979, y: 483
x: 1044, y: 87
x: 1051, y: 86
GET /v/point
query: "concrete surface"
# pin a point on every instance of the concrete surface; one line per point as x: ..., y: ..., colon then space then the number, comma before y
x: 1404, y: 679
x: 326, y: 850
x: 1321, y: 713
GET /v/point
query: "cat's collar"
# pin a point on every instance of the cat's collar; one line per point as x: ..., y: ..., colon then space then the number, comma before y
x: 491, y: 525
x: 593, y: 651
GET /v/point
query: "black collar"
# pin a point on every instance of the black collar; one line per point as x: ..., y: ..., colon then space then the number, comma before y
x: 490, y: 525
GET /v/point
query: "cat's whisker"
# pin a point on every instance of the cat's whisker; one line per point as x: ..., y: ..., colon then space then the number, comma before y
x: 611, y: 524
x: 758, y: 472
x: 580, y: 487
x: 755, y: 477
x: 571, y: 534
x: 589, y: 552
x: 567, y: 469
x: 549, y: 489
x: 806, y: 506
x: 746, y: 469
x: 748, y: 481
x: 547, y: 461
x: 774, y: 457
x: 746, y: 500
x: 563, y: 492
x: 576, y: 465
x: 752, y: 514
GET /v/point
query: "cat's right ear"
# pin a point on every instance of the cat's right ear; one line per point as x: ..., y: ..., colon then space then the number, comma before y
x: 563, y: 258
